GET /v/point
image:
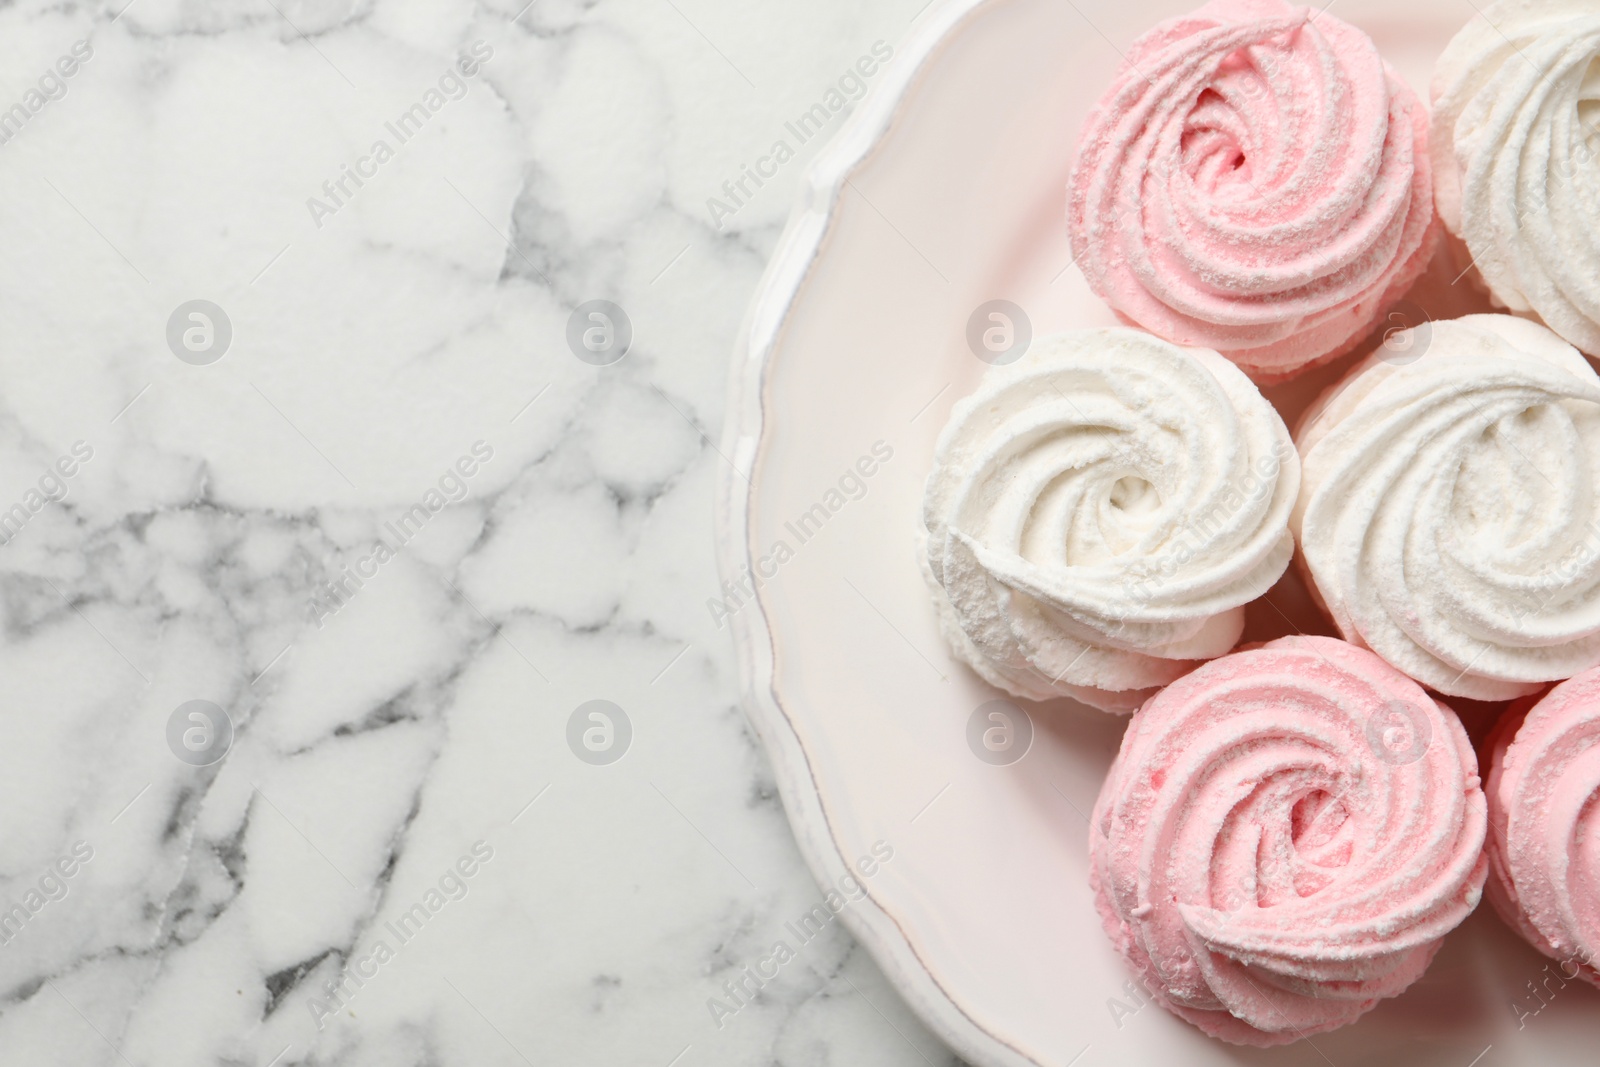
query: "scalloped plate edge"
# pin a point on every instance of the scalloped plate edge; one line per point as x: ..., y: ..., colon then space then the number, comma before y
x: 803, y: 237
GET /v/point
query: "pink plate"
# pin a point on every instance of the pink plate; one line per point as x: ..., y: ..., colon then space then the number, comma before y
x: 945, y: 190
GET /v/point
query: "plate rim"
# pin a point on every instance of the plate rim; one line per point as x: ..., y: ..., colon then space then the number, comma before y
x: 744, y: 429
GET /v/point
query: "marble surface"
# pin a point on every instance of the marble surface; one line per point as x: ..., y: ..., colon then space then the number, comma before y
x: 303, y: 585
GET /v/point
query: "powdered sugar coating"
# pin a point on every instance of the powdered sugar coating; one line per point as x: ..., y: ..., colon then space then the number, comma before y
x: 1449, y: 516
x: 1516, y: 157
x: 1264, y: 858
x: 1099, y: 513
x: 1255, y: 181
x: 1544, y: 826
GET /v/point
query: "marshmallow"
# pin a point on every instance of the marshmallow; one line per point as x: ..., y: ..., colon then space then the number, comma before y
x: 1447, y: 514
x: 1544, y: 831
x: 1516, y: 157
x: 1284, y: 838
x: 1100, y: 511
x: 1255, y: 181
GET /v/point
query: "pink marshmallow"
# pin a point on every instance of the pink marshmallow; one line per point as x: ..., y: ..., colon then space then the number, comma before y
x: 1255, y: 181
x: 1544, y: 829
x: 1285, y: 837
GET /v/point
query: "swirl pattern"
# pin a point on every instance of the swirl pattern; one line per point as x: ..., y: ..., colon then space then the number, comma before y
x: 1284, y: 837
x: 1448, y: 509
x: 1515, y: 144
x: 1544, y: 826
x: 1099, y: 512
x: 1257, y: 182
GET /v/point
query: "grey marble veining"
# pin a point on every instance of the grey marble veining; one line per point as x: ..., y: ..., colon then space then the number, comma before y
x: 290, y: 655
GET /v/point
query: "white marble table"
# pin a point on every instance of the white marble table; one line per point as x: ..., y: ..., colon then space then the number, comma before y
x: 303, y: 584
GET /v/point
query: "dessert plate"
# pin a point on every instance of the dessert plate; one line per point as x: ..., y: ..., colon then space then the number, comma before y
x: 946, y: 191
